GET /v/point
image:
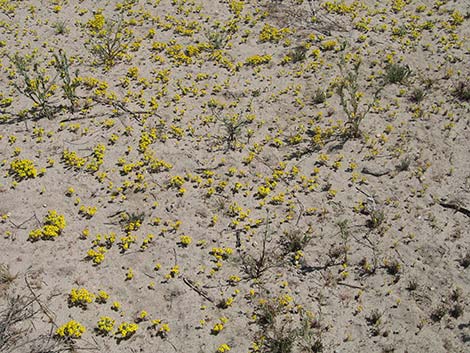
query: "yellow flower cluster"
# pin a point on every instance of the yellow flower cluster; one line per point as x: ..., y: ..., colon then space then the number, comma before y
x: 52, y: 228
x: 126, y: 330
x: 127, y: 241
x: 116, y: 306
x: 146, y: 139
x: 92, y: 82
x: 256, y: 60
x: 236, y: 7
x: 72, y: 160
x: 185, y: 240
x: 96, y: 255
x: 102, y: 296
x: 71, y: 329
x: 148, y: 240
x: 219, y: 326
x: 263, y: 191
x: 164, y: 328
x: 177, y: 53
x: 340, y: 6
x: 80, y: 297
x: 272, y: 34
x: 329, y: 44
x: 223, y: 348
x: 155, y: 165
x: 176, y: 181
x: 97, y: 22
x: 98, y: 157
x: 221, y: 253
x: 129, y: 274
x: 174, y: 271
x: 105, y: 325
x: 87, y: 211
x: 278, y: 199
x: 23, y: 169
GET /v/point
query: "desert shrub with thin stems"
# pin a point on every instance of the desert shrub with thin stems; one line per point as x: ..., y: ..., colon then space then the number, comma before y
x: 69, y: 84
x: 462, y: 91
x: 267, y: 313
x: 280, y: 341
x: 309, y: 334
x: 110, y: 44
x: 351, y: 99
x: 15, y: 329
x: 6, y: 277
x: 232, y: 129
x: 17, y: 310
x: 280, y: 332
x: 345, y: 234
x: 34, y: 83
x: 256, y: 265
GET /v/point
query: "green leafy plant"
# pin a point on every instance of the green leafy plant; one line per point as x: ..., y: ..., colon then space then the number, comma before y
x: 299, y: 53
x: 295, y: 240
x: 60, y: 27
x: 396, y: 73
x: 462, y: 91
x: 417, y: 95
x: 218, y: 39
x: 319, y: 96
x: 374, y: 319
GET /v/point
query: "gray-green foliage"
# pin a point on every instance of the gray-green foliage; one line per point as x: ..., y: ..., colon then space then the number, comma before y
x: 34, y: 82
x: 351, y: 98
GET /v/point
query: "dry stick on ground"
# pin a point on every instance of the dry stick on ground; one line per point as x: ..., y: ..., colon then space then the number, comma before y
x: 118, y: 105
x: 350, y: 285
x: 19, y: 225
x: 199, y: 291
x: 454, y: 205
x: 44, y: 309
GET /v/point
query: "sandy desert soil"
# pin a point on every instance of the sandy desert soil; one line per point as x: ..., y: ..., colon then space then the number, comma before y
x: 244, y: 176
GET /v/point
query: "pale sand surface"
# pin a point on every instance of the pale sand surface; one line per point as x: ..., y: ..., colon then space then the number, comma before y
x: 303, y: 237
